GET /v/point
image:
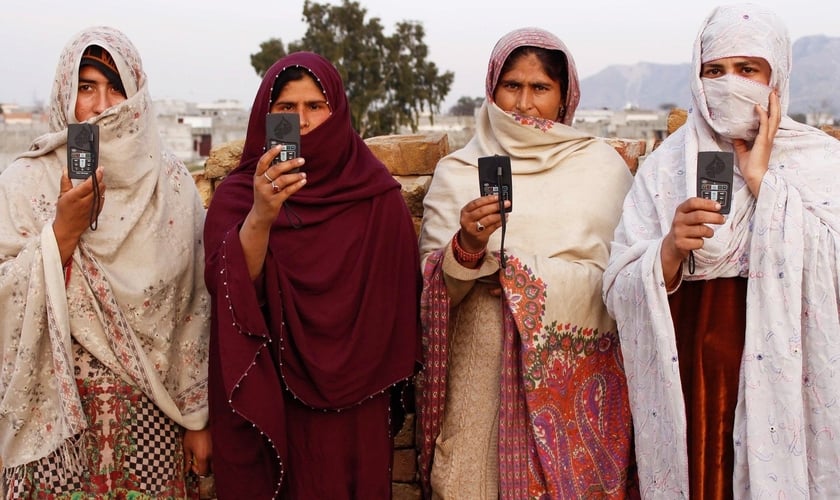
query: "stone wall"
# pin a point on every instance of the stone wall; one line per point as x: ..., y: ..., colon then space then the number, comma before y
x: 411, y: 159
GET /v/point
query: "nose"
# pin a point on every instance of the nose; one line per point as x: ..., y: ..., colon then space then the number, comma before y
x: 101, y: 102
x: 524, y: 101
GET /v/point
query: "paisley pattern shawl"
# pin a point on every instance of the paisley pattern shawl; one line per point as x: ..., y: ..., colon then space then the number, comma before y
x: 135, y: 298
x: 786, y: 243
x: 565, y: 427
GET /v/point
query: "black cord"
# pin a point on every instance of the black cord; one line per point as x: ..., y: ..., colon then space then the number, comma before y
x: 297, y: 223
x: 97, y: 200
x: 502, y: 213
x: 691, y: 262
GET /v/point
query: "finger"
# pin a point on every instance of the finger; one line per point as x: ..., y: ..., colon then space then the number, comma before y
x: 288, y: 189
x: 65, y: 185
x: 696, y: 203
x: 201, y: 466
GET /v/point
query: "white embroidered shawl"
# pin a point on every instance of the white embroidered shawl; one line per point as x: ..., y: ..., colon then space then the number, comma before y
x: 787, y: 424
x: 136, y: 297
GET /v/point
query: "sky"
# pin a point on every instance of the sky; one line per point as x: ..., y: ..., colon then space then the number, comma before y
x: 199, y: 51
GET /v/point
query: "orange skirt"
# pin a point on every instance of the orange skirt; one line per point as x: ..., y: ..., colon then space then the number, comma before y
x: 710, y: 320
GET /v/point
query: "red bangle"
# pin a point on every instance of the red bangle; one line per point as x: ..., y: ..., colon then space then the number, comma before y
x: 462, y: 256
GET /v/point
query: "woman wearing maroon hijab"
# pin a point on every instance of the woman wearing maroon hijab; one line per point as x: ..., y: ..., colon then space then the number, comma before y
x: 314, y: 278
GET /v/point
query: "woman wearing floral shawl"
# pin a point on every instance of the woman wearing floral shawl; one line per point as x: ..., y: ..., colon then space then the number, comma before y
x: 104, y: 333
x: 729, y: 325
x: 523, y: 393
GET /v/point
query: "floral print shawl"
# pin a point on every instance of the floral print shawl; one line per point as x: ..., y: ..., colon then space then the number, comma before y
x: 786, y: 243
x: 561, y: 364
x: 133, y: 295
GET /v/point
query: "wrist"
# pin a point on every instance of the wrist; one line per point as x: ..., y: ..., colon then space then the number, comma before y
x: 465, y: 258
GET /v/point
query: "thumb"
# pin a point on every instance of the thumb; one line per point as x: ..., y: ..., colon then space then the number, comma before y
x: 66, y: 184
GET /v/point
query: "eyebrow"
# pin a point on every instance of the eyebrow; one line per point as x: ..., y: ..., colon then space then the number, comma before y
x: 320, y: 101
x: 545, y: 83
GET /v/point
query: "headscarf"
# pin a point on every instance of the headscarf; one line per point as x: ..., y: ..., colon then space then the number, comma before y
x: 785, y: 242
x: 341, y: 278
x: 134, y: 295
x: 569, y: 186
x: 534, y: 37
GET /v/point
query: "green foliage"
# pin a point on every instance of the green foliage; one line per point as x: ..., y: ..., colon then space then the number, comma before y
x: 466, y: 106
x: 388, y: 79
x: 270, y: 51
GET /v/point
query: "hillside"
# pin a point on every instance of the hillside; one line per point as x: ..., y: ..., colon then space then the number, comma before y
x: 814, y: 85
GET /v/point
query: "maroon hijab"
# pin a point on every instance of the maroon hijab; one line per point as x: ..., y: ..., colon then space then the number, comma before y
x: 339, y: 310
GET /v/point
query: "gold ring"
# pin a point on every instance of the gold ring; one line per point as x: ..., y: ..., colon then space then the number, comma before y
x: 269, y: 179
x: 275, y: 187
x: 479, y: 226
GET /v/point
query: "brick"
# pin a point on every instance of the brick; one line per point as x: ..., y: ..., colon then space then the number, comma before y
x: 204, y: 185
x: 676, y: 119
x: 405, y: 491
x: 414, y: 189
x: 410, y: 154
x: 630, y: 150
x: 405, y: 466
x: 405, y: 438
x: 223, y: 159
x: 832, y: 131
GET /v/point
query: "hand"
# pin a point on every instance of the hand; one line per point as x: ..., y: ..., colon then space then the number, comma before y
x: 198, y: 451
x: 480, y: 218
x: 273, y: 186
x: 688, y: 229
x: 753, y: 162
x: 73, y: 211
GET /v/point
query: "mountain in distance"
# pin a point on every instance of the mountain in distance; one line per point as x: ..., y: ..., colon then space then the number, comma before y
x: 814, y: 85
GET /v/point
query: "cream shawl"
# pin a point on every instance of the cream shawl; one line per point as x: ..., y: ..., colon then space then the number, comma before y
x: 559, y: 340
x: 787, y: 424
x: 135, y: 297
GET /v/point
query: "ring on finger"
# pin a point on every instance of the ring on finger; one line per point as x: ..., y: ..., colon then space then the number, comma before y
x: 275, y: 187
x: 479, y: 226
x: 269, y: 179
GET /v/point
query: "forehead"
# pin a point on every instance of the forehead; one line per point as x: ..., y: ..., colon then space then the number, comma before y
x: 737, y: 60
x: 303, y: 89
x: 526, y: 66
x: 90, y: 73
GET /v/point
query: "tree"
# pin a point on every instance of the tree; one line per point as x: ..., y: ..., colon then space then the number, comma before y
x: 270, y: 51
x: 388, y: 79
x: 466, y: 106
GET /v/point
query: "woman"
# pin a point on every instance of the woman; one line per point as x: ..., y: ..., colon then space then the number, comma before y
x: 729, y: 324
x: 524, y: 395
x: 315, y: 286
x: 105, y: 340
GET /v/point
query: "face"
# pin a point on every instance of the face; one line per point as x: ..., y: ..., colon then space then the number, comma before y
x: 527, y: 89
x: 753, y: 68
x: 305, y: 98
x: 96, y: 94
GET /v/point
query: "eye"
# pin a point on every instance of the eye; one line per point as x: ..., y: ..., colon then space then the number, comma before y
x: 85, y: 87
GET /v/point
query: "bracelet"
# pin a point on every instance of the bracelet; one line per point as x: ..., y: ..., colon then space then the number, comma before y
x: 462, y: 256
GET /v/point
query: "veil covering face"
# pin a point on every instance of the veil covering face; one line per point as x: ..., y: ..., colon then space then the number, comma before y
x: 784, y: 241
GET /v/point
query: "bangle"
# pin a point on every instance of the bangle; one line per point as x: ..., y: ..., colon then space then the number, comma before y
x: 462, y: 256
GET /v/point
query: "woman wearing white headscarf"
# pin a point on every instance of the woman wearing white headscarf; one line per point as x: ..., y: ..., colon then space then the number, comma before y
x: 523, y: 393
x: 729, y: 325
x: 104, y: 333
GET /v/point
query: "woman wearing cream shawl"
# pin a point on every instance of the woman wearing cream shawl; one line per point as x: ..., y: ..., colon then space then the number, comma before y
x: 104, y: 353
x: 733, y: 377
x: 523, y: 393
